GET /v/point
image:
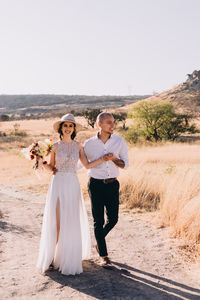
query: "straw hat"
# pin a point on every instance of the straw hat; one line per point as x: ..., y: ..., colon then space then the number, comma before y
x: 66, y: 118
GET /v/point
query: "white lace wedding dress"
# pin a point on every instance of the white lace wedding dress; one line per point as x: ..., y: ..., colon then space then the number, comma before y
x: 74, y: 239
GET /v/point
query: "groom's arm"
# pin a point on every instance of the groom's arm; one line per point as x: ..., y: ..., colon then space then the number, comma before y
x: 122, y: 162
x: 119, y: 162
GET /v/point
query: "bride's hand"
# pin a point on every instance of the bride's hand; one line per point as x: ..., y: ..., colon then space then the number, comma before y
x: 39, y: 160
x: 54, y: 170
x: 108, y: 156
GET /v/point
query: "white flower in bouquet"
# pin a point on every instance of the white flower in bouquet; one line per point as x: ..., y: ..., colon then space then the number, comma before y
x: 26, y: 153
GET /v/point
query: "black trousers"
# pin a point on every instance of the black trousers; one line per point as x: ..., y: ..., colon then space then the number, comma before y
x: 103, y: 196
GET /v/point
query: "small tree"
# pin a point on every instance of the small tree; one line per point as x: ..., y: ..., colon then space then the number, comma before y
x: 91, y: 116
x: 4, y: 118
x: 158, y: 121
x: 177, y: 125
x: 121, y: 117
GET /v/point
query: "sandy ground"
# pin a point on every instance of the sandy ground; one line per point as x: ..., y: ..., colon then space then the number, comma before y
x: 146, y: 261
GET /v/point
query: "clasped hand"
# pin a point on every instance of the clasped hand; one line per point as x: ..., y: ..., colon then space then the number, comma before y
x: 108, y: 156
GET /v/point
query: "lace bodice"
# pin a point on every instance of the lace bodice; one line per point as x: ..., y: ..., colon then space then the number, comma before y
x: 67, y: 155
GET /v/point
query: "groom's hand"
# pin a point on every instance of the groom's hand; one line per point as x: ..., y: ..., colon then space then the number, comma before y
x: 118, y: 162
x: 108, y: 156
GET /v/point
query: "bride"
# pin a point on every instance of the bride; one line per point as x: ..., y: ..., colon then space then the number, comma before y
x: 65, y: 237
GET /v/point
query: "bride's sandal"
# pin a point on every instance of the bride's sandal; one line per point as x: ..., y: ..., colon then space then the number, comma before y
x: 51, y: 267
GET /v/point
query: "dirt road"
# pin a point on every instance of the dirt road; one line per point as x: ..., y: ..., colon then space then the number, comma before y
x: 147, y: 264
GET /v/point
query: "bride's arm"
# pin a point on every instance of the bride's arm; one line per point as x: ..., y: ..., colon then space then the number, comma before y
x: 86, y: 163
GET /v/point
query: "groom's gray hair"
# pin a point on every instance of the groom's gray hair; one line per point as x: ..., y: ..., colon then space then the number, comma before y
x: 102, y: 116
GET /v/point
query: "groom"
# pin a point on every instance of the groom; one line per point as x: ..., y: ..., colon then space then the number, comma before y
x: 103, y: 185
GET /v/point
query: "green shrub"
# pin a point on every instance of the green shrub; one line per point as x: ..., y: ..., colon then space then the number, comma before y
x: 157, y: 121
x: 132, y: 135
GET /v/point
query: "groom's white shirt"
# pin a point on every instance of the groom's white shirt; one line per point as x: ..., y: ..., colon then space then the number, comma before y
x: 94, y: 148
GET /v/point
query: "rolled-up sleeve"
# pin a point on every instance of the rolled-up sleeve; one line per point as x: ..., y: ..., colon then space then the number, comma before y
x: 123, y: 154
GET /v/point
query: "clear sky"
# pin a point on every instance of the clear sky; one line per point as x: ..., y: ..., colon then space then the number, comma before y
x: 97, y: 47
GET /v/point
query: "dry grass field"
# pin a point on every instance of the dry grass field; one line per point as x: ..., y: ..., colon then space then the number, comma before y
x: 164, y: 177
x: 167, y: 177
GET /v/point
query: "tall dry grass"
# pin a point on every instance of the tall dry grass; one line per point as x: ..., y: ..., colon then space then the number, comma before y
x: 166, y: 177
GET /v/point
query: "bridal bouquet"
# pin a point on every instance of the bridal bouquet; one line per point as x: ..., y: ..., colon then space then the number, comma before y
x: 38, y: 149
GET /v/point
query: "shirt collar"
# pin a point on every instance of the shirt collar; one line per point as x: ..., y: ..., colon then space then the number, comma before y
x: 97, y: 136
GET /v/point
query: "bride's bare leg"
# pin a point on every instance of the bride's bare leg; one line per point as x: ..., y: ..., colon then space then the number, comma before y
x: 58, y: 218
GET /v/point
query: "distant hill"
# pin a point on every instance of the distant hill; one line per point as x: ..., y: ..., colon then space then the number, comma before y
x: 21, y: 105
x: 185, y: 97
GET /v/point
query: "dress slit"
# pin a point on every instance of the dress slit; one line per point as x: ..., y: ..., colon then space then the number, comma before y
x: 58, y: 219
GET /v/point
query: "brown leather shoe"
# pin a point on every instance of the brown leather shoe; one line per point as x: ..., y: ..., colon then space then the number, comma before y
x: 106, y: 263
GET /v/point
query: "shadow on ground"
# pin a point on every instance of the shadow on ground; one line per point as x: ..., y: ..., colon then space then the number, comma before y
x: 188, y: 139
x: 7, y: 227
x: 122, y: 282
